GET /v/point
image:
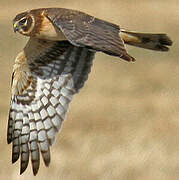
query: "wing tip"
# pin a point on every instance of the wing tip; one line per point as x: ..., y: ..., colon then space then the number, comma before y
x: 46, y: 157
x: 127, y: 57
x: 15, y: 157
x: 23, y: 168
x: 35, y: 167
x: 9, y: 139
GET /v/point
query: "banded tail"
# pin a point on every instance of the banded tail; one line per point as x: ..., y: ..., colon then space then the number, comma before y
x: 158, y: 42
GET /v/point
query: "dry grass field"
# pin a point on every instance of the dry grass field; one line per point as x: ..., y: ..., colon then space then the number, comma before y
x: 124, y: 124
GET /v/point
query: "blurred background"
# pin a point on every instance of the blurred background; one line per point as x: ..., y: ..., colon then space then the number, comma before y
x: 124, y: 124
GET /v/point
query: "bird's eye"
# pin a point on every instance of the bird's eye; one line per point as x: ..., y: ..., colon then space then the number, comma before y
x: 23, y: 21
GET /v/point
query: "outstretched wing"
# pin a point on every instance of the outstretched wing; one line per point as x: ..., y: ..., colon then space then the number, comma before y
x: 46, y: 76
x: 87, y: 31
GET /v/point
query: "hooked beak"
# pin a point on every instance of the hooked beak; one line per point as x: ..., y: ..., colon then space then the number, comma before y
x: 16, y: 27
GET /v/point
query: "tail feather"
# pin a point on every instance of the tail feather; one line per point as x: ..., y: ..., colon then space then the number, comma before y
x: 158, y: 42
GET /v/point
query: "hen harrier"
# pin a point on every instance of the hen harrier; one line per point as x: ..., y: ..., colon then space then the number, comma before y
x: 53, y: 66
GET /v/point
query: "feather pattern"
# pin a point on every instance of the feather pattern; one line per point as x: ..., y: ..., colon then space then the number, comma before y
x: 46, y: 85
x: 87, y: 31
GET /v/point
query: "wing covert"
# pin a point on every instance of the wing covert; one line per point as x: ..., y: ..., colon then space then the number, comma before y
x: 87, y: 31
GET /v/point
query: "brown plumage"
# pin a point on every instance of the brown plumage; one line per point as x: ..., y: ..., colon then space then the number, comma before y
x: 52, y: 67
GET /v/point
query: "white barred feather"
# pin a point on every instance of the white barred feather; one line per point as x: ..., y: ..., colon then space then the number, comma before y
x: 41, y: 103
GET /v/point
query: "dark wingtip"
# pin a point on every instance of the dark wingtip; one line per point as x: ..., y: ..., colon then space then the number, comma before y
x: 35, y: 171
x: 9, y: 139
x: 133, y: 59
x: 22, y: 169
x: 15, y: 157
x: 128, y: 58
x: 35, y: 166
x: 24, y: 165
x: 47, y: 162
x: 46, y: 158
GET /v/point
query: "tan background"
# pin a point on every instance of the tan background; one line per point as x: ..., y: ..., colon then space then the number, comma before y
x: 124, y: 125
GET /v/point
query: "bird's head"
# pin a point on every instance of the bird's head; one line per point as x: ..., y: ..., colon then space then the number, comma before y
x: 35, y: 23
x: 24, y: 23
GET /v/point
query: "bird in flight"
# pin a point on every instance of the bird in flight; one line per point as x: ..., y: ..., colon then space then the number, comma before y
x: 52, y: 67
